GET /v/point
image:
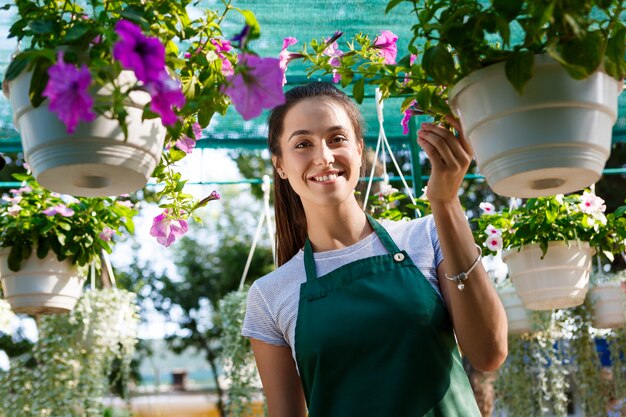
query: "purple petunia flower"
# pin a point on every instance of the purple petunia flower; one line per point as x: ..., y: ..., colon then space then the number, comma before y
x: 106, y: 234
x: 408, y: 113
x: 242, y: 37
x: 166, y: 93
x: 60, y: 209
x: 142, y: 54
x: 221, y: 45
x: 67, y: 90
x: 386, y: 43
x: 259, y: 87
x: 167, y: 230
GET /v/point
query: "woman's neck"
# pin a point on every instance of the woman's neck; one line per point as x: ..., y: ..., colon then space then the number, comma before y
x: 336, y: 227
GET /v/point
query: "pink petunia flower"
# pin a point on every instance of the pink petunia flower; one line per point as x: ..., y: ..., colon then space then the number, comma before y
x: 12, y: 200
x: 67, y: 90
x: 285, y: 56
x: 14, y: 210
x: 106, y: 234
x: 334, y: 53
x: 187, y: 144
x: 125, y: 203
x: 142, y: 54
x: 386, y: 44
x: 494, y: 243
x: 166, y: 93
x: 591, y: 203
x: 493, y: 231
x: 336, y: 76
x: 60, y: 209
x: 167, y: 230
x: 487, y: 208
x: 412, y: 59
x: 221, y: 45
x: 258, y: 87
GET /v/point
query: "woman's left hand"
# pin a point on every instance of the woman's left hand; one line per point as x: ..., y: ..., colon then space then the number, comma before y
x: 450, y: 157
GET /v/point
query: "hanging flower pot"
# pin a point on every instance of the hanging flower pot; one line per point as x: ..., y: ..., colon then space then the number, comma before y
x: 608, y: 305
x: 96, y: 159
x: 516, y: 314
x: 559, y: 280
x: 554, y: 138
x: 41, y: 286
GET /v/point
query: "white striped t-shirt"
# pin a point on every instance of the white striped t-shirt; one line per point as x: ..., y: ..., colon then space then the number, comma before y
x: 272, y: 306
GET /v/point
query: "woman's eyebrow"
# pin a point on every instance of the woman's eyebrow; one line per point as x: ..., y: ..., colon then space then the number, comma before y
x: 308, y: 132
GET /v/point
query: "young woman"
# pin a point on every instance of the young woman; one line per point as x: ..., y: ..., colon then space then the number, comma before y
x: 360, y: 318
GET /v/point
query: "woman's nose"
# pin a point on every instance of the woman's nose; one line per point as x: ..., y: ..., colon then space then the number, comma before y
x: 324, y: 155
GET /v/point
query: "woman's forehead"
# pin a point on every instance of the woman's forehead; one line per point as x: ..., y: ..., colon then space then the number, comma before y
x: 315, y: 112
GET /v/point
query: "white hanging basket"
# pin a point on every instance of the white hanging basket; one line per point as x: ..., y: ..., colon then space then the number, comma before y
x: 608, y: 305
x: 559, y: 280
x: 516, y: 314
x: 553, y: 139
x: 41, y: 286
x: 95, y: 160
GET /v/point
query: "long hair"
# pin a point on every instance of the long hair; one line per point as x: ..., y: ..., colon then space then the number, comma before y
x: 290, y: 217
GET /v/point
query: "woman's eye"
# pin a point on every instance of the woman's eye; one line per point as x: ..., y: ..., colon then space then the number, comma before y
x: 302, y: 145
x: 338, y: 139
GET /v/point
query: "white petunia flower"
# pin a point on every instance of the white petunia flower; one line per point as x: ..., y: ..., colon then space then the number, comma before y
x: 591, y: 203
x: 491, y: 230
x: 487, y: 208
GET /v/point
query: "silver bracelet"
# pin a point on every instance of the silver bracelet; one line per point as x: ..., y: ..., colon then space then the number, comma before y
x: 458, y: 279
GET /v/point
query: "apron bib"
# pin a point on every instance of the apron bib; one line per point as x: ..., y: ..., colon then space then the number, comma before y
x: 373, y: 339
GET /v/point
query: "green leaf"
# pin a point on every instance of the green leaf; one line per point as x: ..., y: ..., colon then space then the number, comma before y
x: 61, y: 238
x: 204, y: 116
x: 519, y: 69
x: 392, y: 4
x: 510, y: 9
x: 135, y: 14
x: 255, y: 28
x: 615, y: 51
x: 15, y: 257
x: 18, y: 65
x: 43, y: 27
x: 38, y: 83
x: 358, y: 90
x: 65, y: 226
x: 583, y: 55
x: 43, y: 246
x: 77, y: 31
x: 439, y: 64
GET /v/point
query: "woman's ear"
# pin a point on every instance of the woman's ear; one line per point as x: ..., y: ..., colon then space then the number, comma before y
x: 277, y: 166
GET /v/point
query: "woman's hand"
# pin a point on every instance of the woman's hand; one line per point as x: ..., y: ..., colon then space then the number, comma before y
x: 450, y: 157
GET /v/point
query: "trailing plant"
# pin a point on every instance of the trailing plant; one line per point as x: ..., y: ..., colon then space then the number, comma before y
x: 389, y: 203
x: 573, y: 217
x: 67, y: 374
x: 34, y: 220
x: 178, y: 55
x: 452, y: 39
x: 236, y: 355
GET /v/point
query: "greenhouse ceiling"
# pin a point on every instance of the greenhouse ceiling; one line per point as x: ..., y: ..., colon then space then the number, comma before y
x: 304, y: 20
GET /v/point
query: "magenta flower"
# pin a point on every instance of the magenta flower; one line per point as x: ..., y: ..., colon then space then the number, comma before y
x: 412, y: 59
x: 258, y: 86
x: 242, y: 37
x: 334, y: 53
x: 386, y: 44
x: 408, y: 113
x: 60, y: 209
x: 285, y: 56
x: 142, y: 54
x: 106, y: 234
x: 167, y: 230
x: 166, y: 93
x: 67, y: 90
x: 186, y: 144
x: 126, y: 203
x: 336, y: 76
x: 221, y: 45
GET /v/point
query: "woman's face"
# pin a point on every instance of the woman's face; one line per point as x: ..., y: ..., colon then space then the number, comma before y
x: 320, y: 153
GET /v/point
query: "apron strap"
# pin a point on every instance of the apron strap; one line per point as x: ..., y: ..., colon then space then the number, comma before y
x: 383, y: 235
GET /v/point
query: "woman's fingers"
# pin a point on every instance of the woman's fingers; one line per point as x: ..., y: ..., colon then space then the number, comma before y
x: 456, y: 124
x: 448, y: 146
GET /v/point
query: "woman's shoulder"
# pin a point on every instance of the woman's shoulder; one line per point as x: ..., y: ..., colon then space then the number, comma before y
x: 282, y: 277
x: 424, y: 224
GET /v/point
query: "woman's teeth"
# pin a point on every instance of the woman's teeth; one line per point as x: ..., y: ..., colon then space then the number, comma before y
x: 326, y: 178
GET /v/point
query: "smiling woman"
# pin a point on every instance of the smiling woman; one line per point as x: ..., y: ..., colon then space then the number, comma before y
x: 359, y: 319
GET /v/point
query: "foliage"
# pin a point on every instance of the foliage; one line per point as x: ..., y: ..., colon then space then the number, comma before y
x: 77, y: 229
x: 72, y: 358
x: 451, y: 39
x: 387, y: 204
x: 180, y: 57
x: 556, y: 218
x: 236, y: 355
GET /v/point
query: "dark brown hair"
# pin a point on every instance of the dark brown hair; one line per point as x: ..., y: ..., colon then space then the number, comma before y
x: 290, y: 217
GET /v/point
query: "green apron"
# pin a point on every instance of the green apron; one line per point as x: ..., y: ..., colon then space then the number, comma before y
x: 373, y: 339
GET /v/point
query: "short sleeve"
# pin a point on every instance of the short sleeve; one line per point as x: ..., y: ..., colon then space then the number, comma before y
x: 259, y: 323
x: 434, y: 240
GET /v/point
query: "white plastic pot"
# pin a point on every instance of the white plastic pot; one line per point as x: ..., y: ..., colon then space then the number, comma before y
x: 95, y: 160
x: 516, y: 314
x: 553, y: 139
x: 608, y: 305
x: 559, y: 280
x: 41, y: 286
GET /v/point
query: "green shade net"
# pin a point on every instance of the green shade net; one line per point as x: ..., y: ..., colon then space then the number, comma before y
x: 304, y: 20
